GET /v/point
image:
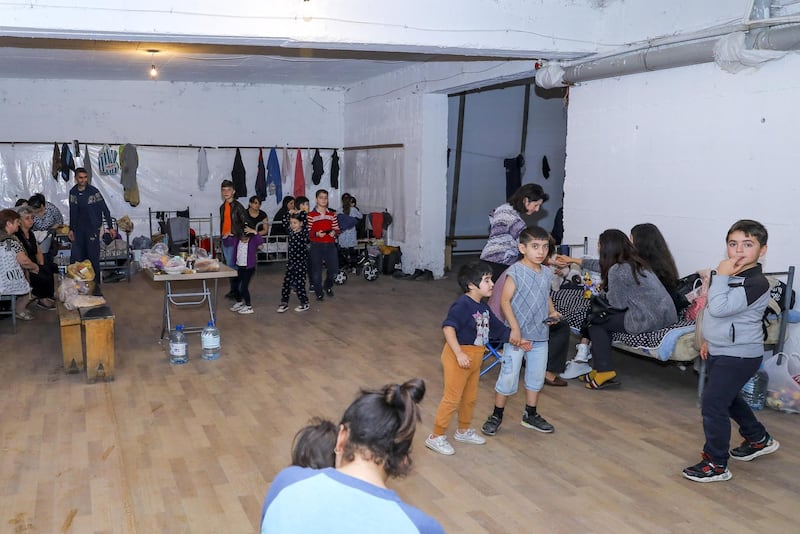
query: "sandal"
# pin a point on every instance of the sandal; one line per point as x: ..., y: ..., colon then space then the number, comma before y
x: 24, y: 316
x: 610, y: 383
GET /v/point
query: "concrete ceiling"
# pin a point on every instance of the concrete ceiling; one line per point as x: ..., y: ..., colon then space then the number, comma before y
x: 43, y: 58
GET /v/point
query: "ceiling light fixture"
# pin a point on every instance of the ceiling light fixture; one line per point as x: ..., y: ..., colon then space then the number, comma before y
x: 153, y: 69
x: 306, y: 9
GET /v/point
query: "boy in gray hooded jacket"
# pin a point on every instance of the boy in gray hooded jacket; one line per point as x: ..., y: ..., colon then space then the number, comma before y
x: 733, y: 347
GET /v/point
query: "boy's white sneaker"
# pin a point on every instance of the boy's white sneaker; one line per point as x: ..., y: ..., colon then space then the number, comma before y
x: 582, y: 354
x: 469, y: 436
x: 238, y: 306
x: 439, y: 444
x: 245, y: 310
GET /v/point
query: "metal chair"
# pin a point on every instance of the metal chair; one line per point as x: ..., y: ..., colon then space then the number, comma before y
x: 12, y: 311
x: 491, y: 352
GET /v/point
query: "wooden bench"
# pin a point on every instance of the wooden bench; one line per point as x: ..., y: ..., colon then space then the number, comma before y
x: 87, y: 341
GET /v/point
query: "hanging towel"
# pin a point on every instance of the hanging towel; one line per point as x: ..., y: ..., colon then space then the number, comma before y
x: 238, y: 174
x: 285, y: 166
x: 56, y: 161
x: 335, y: 170
x: 274, y: 174
x: 261, y: 178
x: 87, y: 163
x: 317, y: 169
x: 307, y: 157
x: 67, y: 163
x: 299, y: 177
x: 202, y: 169
x: 107, y: 161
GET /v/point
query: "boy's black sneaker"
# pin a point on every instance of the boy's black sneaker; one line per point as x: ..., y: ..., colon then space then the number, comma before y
x: 537, y: 422
x: 329, y: 292
x: 749, y: 450
x: 707, y: 471
x: 491, y: 425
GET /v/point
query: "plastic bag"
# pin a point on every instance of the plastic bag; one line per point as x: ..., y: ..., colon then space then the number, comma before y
x: 783, y: 390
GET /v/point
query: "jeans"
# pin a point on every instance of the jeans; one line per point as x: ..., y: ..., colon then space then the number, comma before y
x: 229, y: 252
x: 535, y: 364
x: 329, y: 254
x: 722, y: 402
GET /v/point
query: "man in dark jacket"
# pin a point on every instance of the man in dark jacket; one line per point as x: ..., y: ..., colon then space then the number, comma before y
x: 88, y: 214
x: 231, y: 225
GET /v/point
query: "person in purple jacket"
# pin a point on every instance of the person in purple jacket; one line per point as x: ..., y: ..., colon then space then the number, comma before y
x: 245, y: 254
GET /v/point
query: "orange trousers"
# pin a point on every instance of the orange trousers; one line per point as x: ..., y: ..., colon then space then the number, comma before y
x: 460, y: 388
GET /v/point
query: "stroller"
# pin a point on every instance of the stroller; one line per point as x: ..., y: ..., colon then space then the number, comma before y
x: 363, y: 258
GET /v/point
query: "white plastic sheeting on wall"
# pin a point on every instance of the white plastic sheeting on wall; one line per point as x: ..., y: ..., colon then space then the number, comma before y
x: 167, y: 178
x: 375, y: 178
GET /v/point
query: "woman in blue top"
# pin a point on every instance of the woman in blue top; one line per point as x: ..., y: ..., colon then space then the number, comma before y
x: 374, y: 442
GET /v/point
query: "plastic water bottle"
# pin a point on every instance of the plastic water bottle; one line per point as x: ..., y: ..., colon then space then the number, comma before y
x: 754, y: 391
x: 210, y: 341
x: 178, y: 346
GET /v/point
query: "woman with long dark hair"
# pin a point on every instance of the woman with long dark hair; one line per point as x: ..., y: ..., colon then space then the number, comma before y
x: 374, y: 444
x: 630, y: 285
x: 653, y: 248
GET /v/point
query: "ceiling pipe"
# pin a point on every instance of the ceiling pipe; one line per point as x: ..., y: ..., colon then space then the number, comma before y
x: 781, y: 38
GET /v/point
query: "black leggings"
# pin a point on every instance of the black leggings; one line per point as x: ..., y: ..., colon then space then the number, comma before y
x: 243, y: 283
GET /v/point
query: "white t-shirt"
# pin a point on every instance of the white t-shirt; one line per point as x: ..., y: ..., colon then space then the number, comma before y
x: 241, y: 254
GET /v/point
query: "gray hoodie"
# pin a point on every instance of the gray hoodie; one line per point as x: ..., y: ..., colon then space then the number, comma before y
x: 649, y: 305
x: 732, y: 319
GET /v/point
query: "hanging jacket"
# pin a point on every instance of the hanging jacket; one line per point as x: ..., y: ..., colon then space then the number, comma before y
x: 56, y: 161
x: 238, y: 175
x: 274, y: 174
x: 317, y: 168
x: 335, y: 170
x: 261, y: 178
x: 87, y: 163
x: 299, y: 178
x: 67, y: 163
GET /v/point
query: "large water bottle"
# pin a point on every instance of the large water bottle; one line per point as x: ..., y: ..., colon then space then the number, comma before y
x: 754, y: 391
x: 178, y: 346
x: 210, y: 341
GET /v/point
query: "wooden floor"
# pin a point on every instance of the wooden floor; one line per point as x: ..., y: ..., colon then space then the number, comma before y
x: 193, y: 448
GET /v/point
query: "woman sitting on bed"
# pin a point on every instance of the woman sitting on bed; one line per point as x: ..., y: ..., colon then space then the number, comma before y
x: 652, y: 248
x: 629, y: 284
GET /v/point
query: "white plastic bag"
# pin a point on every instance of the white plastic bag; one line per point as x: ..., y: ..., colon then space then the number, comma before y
x: 783, y: 390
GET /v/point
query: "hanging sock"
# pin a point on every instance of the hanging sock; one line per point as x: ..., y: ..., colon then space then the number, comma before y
x: 545, y: 167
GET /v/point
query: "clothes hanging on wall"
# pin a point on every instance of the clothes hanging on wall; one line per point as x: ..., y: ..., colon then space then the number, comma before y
x: 261, y: 178
x: 239, y: 175
x: 107, y: 161
x: 67, y: 162
x: 335, y: 170
x: 299, y: 177
x: 129, y: 162
x: 317, y: 168
x: 513, y: 173
x: 274, y: 175
x: 87, y: 163
x: 56, y: 162
x: 286, y: 165
x: 202, y: 169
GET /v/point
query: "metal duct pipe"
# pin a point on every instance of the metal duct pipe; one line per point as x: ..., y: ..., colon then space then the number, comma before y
x: 677, y: 55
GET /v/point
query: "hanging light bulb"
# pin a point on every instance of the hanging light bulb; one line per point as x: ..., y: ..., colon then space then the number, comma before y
x: 306, y: 9
x: 153, y: 69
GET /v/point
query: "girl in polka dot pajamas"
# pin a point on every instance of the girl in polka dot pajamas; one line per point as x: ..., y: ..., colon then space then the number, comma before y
x: 297, y: 266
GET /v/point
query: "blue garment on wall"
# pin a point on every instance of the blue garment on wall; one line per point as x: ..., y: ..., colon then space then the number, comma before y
x: 274, y: 174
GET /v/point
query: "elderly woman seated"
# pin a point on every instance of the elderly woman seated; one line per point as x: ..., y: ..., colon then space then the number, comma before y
x: 13, y: 264
x: 42, y: 280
